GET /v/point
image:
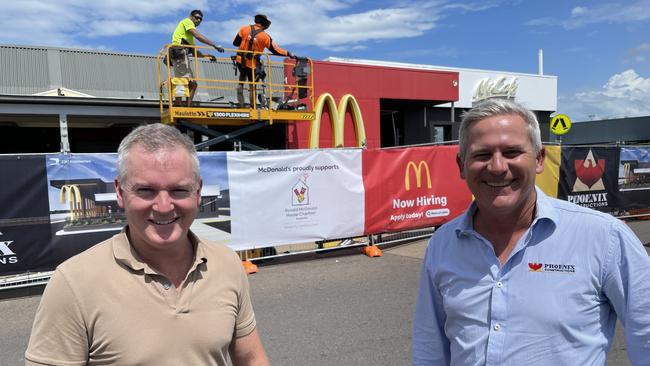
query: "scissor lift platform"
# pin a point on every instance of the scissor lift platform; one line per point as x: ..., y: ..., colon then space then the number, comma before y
x: 283, y: 95
x: 226, y: 116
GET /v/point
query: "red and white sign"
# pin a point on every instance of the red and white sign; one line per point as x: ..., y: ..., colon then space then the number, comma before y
x: 412, y: 188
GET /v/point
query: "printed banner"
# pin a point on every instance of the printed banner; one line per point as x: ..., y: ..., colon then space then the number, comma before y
x: 589, y: 177
x: 284, y: 197
x: 412, y: 188
x: 548, y: 180
x: 24, y: 221
x: 634, y: 178
x: 83, y: 203
x: 57, y: 205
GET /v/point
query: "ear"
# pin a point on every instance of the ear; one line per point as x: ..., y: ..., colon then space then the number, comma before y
x: 460, y: 166
x: 198, y: 193
x: 539, y: 160
x: 118, y: 192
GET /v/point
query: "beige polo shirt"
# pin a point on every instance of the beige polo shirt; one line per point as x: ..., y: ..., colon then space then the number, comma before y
x: 106, y: 306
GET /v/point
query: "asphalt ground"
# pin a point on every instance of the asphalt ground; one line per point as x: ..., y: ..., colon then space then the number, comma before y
x: 339, y: 308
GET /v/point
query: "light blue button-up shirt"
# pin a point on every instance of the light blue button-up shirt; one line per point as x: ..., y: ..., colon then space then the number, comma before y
x: 554, y: 302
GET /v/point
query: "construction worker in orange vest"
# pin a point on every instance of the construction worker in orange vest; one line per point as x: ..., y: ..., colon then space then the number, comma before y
x: 253, y: 39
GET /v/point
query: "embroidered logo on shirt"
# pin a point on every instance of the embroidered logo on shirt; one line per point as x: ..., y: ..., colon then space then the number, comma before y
x: 550, y: 267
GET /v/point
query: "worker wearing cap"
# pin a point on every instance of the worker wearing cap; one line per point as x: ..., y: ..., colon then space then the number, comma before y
x: 252, y: 39
x: 184, y: 35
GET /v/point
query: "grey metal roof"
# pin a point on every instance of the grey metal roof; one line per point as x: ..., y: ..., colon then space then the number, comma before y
x: 29, y: 70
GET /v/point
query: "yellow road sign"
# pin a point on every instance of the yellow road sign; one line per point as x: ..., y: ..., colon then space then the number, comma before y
x: 560, y: 124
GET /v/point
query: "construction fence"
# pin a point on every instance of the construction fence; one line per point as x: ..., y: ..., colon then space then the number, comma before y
x: 271, y: 203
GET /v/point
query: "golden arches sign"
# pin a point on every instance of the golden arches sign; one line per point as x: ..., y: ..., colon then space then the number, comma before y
x: 417, y: 169
x: 337, y: 118
x: 74, y: 196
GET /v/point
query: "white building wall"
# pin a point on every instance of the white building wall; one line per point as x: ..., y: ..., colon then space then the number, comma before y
x: 537, y: 92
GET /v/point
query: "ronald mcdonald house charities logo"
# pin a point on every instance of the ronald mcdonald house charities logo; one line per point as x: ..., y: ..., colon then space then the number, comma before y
x: 300, y: 193
x: 589, y: 181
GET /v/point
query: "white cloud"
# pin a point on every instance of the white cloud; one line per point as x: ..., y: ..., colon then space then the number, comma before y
x: 624, y: 95
x: 631, y: 12
x: 638, y: 54
x: 329, y: 24
x: 336, y: 24
x: 72, y: 22
x: 578, y: 11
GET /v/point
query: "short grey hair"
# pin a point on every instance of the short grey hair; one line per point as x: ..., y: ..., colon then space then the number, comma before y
x: 498, y: 107
x: 154, y: 138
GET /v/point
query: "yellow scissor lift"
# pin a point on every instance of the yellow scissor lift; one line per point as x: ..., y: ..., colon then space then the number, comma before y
x: 279, y: 98
x: 285, y: 95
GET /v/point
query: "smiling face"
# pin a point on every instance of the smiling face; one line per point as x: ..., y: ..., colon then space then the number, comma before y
x: 500, y: 165
x: 160, y: 197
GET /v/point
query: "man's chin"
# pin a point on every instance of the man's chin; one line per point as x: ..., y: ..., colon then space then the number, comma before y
x: 500, y: 202
x: 164, y: 235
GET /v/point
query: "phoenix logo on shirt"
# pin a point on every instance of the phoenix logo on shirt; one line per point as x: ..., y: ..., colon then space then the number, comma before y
x: 550, y: 267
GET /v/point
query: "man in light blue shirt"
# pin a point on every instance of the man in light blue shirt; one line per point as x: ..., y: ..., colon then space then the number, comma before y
x: 522, y: 278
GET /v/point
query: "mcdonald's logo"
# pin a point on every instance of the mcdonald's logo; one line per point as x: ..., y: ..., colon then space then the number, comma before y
x: 418, y: 174
x: 74, y: 197
x: 73, y: 193
x: 337, y: 118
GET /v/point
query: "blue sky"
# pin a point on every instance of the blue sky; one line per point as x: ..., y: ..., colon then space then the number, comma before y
x: 599, y: 50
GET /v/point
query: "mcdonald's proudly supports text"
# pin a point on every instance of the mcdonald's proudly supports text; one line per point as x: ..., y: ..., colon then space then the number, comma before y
x: 420, y: 201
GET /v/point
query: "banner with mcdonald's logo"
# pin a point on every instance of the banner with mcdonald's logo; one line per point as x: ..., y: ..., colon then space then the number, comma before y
x: 412, y: 187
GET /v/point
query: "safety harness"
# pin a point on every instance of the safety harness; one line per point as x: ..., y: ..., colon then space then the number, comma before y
x: 251, y: 36
x: 259, y: 70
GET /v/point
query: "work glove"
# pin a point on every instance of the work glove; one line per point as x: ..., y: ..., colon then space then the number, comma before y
x: 219, y: 49
x: 212, y: 58
x: 291, y: 55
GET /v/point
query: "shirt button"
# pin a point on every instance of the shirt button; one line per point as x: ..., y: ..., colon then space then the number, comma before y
x: 499, y: 284
x: 497, y: 327
x: 167, y: 285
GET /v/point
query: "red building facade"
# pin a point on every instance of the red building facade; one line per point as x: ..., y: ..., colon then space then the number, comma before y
x: 370, y: 85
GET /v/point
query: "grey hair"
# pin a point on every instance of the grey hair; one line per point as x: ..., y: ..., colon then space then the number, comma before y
x: 154, y: 138
x: 497, y: 107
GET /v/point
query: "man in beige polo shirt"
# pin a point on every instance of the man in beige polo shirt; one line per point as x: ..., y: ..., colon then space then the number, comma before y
x: 154, y: 294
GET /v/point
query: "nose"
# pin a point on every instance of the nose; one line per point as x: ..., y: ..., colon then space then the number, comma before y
x: 163, y: 202
x: 497, y: 163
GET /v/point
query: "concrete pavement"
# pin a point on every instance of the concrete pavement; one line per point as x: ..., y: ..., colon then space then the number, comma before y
x: 334, y: 309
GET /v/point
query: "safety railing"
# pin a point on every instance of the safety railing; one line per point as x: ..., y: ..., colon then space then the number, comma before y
x: 283, y: 89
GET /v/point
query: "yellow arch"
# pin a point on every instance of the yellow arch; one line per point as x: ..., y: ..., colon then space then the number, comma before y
x: 74, y: 196
x: 417, y: 169
x: 73, y: 193
x: 337, y: 118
